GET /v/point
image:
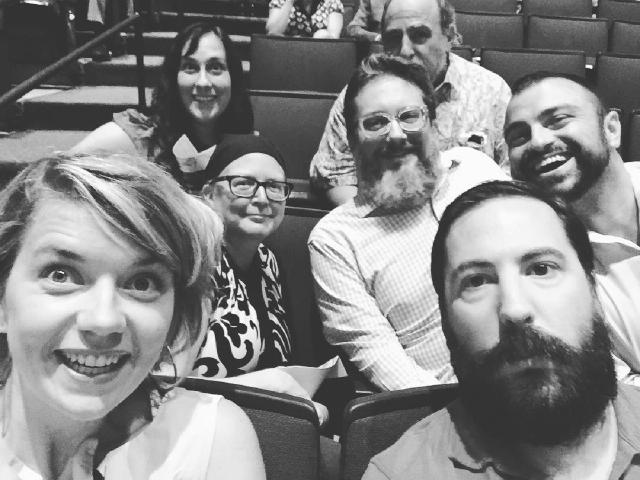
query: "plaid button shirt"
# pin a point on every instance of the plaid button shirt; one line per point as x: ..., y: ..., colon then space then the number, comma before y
x: 373, y: 280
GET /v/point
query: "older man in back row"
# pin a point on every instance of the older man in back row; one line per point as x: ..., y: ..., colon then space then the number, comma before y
x: 470, y: 100
x: 562, y: 138
x: 538, y: 391
x: 370, y: 256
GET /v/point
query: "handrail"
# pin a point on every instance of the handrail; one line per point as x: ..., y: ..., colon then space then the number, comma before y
x: 36, y: 80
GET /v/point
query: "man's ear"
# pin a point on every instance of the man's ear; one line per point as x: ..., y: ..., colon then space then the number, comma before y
x: 612, y: 129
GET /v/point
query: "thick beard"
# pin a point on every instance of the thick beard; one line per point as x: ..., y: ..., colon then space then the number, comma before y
x: 591, y: 165
x: 539, y: 406
x: 404, y: 188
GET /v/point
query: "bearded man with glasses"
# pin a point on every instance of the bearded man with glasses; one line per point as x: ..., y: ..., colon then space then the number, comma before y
x: 370, y: 256
x: 470, y: 100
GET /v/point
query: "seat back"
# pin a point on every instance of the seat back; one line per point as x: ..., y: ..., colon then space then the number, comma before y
x: 589, y: 35
x: 294, y: 121
x: 624, y: 10
x: 487, y: 6
x: 633, y: 135
x: 464, y: 52
x: 617, y: 81
x: 375, y: 422
x: 287, y: 63
x: 289, y: 244
x: 484, y: 30
x: 624, y: 37
x: 562, y: 8
x: 286, y: 426
x: 514, y: 64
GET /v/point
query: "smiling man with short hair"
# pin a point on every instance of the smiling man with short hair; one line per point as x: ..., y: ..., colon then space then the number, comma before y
x: 561, y: 137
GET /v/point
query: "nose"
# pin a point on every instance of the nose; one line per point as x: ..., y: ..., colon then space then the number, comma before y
x: 396, y: 133
x: 406, y: 48
x: 260, y: 196
x: 541, y: 137
x: 203, y: 79
x: 102, y: 321
x: 514, y: 303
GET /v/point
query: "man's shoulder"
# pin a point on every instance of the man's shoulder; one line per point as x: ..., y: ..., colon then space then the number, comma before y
x: 424, y: 448
x: 338, y: 222
x: 633, y: 168
x: 472, y: 72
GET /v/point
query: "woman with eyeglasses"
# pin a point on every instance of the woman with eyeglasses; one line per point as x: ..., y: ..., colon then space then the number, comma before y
x: 248, y: 335
x: 200, y: 98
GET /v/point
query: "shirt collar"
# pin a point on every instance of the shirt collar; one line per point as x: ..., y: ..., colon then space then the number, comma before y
x: 446, y: 91
x: 470, y: 449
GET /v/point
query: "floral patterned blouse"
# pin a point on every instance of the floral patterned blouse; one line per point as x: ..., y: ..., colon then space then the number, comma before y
x: 303, y: 24
x: 248, y: 329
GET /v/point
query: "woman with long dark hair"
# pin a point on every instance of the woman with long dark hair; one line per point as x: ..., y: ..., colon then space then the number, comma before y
x: 201, y: 97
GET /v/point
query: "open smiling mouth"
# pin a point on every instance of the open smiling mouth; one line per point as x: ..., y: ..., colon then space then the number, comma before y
x: 551, y: 163
x: 92, y: 365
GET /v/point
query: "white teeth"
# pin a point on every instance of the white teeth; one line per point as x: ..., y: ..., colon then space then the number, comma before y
x: 552, y: 159
x: 93, y: 360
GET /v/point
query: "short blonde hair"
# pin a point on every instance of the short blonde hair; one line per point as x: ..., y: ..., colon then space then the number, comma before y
x: 138, y: 200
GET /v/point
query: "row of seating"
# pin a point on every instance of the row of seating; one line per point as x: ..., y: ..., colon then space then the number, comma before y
x: 590, y: 35
x: 628, y: 10
x: 289, y: 435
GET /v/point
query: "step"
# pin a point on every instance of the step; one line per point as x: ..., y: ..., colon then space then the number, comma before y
x: 122, y: 71
x: 27, y: 146
x: 232, y: 24
x: 80, y: 108
x: 158, y: 43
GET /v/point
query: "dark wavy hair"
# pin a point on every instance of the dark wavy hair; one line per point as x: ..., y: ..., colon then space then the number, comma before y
x: 168, y: 113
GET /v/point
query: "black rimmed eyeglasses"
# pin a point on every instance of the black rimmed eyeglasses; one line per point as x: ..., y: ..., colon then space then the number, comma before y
x: 246, y: 187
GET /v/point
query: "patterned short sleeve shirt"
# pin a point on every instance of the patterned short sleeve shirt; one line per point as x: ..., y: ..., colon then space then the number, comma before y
x: 303, y: 24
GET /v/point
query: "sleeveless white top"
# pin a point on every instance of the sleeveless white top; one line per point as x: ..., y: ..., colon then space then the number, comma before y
x: 175, y: 446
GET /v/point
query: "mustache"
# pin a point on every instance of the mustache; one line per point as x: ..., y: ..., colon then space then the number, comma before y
x: 521, y: 342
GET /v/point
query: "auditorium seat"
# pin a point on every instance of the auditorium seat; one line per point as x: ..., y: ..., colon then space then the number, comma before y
x: 511, y: 64
x: 375, y: 422
x: 560, y: 8
x: 464, y: 52
x: 623, y: 10
x: 484, y: 30
x: 289, y: 244
x: 295, y: 63
x: 617, y: 81
x: 624, y: 37
x: 589, y: 35
x: 492, y: 6
x: 294, y: 121
x: 633, y: 134
x: 286, y: 426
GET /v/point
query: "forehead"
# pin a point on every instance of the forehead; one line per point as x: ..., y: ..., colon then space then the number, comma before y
x: 504, y: 230
x: 387, y: 93
x: 402, y: 13
x: 549, y: 94
x: 255, y: 165
x: 209, y: 46
x: 75, y: 225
